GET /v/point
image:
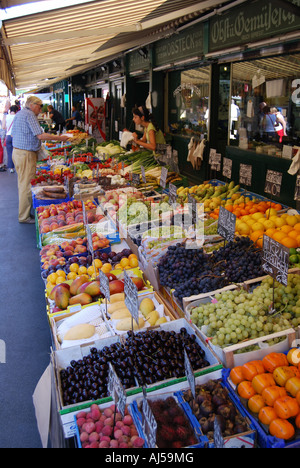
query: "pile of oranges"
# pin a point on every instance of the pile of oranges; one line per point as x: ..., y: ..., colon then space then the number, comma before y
x: 284, y: 229
x: 248, y: 208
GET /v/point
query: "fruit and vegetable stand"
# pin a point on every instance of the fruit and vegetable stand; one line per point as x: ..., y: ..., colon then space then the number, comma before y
x: 157, y: 342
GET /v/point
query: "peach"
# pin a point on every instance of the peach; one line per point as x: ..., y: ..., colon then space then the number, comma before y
x: 104, y: 444
x: 89, y: 427
x: 107, y: 431
x: 128, y: 420
x: 84, y: 437
x: 118, y: 433
x: 94, y: 437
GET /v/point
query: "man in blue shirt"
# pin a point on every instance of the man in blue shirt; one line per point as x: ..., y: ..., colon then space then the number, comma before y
x: 76, y: 117
x: 27, y: 137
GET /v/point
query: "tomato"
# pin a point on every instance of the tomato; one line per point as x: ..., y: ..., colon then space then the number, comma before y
x: 282, y: 429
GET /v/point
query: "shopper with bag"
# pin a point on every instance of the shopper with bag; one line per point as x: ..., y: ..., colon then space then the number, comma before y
x: 7, y: 123
x: 27, y: 136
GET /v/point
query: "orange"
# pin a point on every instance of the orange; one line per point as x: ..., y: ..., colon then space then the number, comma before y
x: 270, y: 232
x: 260, y: 242
x: 286, y: 228
x: 298, y: 240
x: 256, y: 235
x: 289, y: 242
x: 293, y: 234
x: 278, y: 236
x: 229, y: 208
x: 297, y: 227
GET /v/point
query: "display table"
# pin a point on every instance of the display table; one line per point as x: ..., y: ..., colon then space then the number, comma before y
x: 261, y: 163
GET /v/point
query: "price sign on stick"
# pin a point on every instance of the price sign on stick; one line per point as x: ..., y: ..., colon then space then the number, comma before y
x: 131, y: 297
x: 226, y: 224
x: 216, y: 162
x: 276, y: 260
x: 163, y: 177
x: 149, y: 424
x: 172, y: 194
x: 143, y: 175
x: 189, y: 373
x: 136, y: 179
x: 104, y: 287
x: 116, y: 390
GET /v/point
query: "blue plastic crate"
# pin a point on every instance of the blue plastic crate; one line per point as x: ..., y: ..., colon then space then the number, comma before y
x: 264, y: 440
x: 36, y: 202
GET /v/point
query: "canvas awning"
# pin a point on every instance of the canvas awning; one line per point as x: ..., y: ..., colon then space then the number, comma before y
x: 45, y: 48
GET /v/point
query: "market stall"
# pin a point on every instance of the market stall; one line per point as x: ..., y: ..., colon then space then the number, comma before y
x: 145, y: 322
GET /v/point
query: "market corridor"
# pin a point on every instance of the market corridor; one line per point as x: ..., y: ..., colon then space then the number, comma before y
x: 23, y: 327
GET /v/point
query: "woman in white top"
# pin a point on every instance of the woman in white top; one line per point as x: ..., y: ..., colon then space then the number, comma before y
x: 7, y: 125
x: 280, y: 124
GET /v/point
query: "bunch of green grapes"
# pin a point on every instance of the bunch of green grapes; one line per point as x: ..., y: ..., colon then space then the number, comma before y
x: 238, y: 315
x: 210, y: 227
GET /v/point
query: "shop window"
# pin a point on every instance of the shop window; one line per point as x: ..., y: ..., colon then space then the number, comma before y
x: 265, y: 103
x: 189, y: 113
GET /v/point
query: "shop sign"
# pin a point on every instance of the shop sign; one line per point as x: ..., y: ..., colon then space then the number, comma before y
x: 251, y: 23
x: 180, y: 46
x: 136, y: 61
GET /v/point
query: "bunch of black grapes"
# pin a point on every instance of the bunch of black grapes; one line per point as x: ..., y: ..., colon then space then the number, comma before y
x: 192, y: 272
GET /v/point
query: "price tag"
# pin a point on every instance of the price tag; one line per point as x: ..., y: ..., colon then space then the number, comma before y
x: 163, y: 177
x: 193, y: 204
x: 216, y: 162
x: 227, y: 168
x: 297, y: 189
x: 136, y: 179
x: 143, y: 175
x: 149, y: 424
x: 226, y: 224
x: 276, y: 260
x: 212, y: 153
x: 273, y: 183
x: 172, y: 194
x: 84, y: 212
x: 246, y: 175
x: 104, y: 285
x: 189, y: 373
x: 89, y: 239
x: 116, y: 390
x: 131, y: 297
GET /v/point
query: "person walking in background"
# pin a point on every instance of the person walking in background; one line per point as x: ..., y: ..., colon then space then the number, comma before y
x: 27, y: 136
x: 7, y: 123
x: 280, y: 123
x: 57, y: 118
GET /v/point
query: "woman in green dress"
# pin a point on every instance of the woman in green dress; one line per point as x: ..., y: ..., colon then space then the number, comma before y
x: 152, y: 133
